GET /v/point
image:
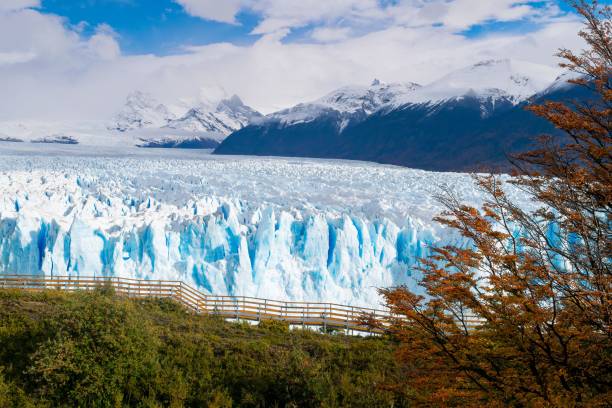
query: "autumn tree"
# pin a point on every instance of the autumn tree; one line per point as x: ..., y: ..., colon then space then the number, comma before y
x: 520, y: 315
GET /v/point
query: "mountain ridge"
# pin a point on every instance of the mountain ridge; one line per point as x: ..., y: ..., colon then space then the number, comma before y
x: 207, y: 121
x: 468, y: 119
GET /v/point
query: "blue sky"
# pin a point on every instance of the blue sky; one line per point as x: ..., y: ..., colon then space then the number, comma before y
x: 164, y: 27
x: 81, y: 58
x: 151, y: 26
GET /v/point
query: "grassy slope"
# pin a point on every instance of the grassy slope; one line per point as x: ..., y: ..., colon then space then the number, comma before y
x: 95, y: 349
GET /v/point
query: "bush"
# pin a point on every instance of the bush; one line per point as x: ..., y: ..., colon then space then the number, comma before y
x: 99, y: 350
x: 275, y: 326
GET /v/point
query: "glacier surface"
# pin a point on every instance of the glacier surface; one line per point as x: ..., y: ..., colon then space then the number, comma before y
x: 295, y: 229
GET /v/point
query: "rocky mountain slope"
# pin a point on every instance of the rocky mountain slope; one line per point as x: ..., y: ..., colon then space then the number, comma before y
x: 203, y: 125
x: 467, y: 120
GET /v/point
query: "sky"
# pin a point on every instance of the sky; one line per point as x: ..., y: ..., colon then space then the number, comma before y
x: 79, y: 59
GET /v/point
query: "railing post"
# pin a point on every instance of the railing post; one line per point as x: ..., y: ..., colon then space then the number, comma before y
x: 347, y: 319
x: 215, y: 310
x: 374, y: 320
x: 324, y: 322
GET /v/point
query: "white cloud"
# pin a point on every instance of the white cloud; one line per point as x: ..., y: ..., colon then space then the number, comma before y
x: 9, y: 5
x: 217, y: 10
x: 40, y: 60
x: 46, y: 40
x: 279, y: 14
x: 330, y: 34
x: 289, y: 14
x: 461, y: 14
x: 283, y: 14
x: 103, y: 44
x: 13, y: 57
x: 48, y: 70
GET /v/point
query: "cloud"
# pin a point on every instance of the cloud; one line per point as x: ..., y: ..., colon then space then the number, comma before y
x: 9, y: 58
x: 40, y: 58
x: 461, y: 14
x: 103, y: 44
x: 50, y: 70
x: 276, y: 15
x: 329, y: 34
x: 216, y: 10
x: 279, y: 14
x: 10, y: 5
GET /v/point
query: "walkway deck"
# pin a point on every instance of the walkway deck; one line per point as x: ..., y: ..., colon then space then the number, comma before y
x: 326, y: 315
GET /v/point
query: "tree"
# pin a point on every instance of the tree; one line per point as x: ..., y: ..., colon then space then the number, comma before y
x: 521, y: 314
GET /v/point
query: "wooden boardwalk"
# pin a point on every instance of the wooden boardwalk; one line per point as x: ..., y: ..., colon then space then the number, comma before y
x: 326, y: 315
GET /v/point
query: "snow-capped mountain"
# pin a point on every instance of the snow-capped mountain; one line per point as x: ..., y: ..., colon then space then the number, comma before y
x: 492, y: 81
x: 562, y: 83
x: 213, y: 121
x: 466, y: 119
x: 218, y: 120
x: 505, y: 80
x: 346, y: 105
x: 143, y: 121
x: 141, y: 110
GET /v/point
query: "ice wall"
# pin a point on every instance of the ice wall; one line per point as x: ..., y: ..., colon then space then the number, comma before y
x: 298, y: 230
x: 268, y: 253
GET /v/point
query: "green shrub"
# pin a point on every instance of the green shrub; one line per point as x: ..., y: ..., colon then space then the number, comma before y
x: 275, y: 326
x: 99, y: 350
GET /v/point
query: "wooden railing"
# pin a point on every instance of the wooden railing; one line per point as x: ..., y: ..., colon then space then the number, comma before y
x: 325, y: 315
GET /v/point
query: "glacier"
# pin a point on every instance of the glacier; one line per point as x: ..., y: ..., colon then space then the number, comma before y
x: 278, y: 228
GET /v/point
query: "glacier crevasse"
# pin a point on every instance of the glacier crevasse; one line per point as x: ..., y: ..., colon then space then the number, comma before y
x: 276, y: 254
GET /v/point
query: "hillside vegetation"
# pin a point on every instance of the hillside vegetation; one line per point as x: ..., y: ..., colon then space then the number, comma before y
x: 96, y: 349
